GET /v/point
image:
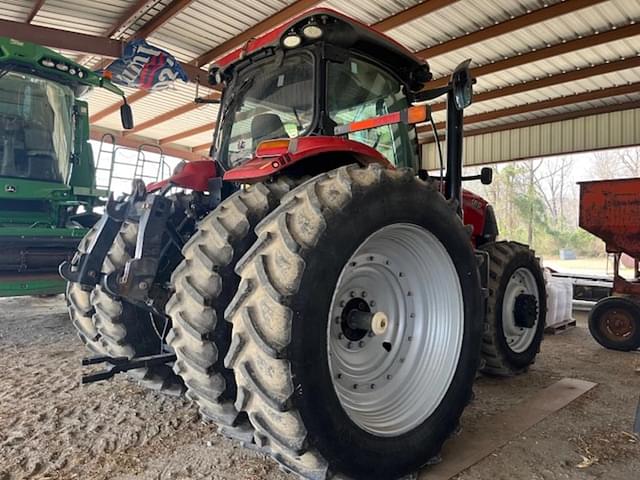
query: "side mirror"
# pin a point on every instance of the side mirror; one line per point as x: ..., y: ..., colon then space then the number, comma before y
x: 126, y: 115
x: 462, y: 85
x: 486, y: 175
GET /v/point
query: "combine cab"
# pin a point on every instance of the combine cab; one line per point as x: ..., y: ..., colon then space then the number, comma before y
x: 329, y: 302
x: 47, y: 177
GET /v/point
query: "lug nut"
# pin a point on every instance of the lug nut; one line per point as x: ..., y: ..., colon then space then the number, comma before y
x: 349, y: 345
x: 373, y: 385
x: 361, y: 344
x: 143, y: 285
x: 355, y: 386
x: 401, y: 274
x: 339, y: 376
x: 370, y: 334
x: 364, y: 294
x: 389, y: 377
x: 372, y: 303
x: 352, y: 294
x: 340, y: 336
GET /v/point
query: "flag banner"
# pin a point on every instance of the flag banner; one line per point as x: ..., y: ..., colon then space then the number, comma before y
x: 146, y: 67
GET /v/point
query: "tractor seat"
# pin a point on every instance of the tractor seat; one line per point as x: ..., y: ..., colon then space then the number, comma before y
x: 266, y: 126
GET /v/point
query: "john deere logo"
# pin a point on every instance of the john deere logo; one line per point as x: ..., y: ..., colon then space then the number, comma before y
x: 10, y: 188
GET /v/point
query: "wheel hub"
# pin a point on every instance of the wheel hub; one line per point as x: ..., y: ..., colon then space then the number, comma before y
x: 394, y: 338
x: 618, y: 325
x: 525, y: 311
x: 520, y: 310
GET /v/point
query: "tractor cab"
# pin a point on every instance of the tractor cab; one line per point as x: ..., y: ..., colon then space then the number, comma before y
x: 310, y: 76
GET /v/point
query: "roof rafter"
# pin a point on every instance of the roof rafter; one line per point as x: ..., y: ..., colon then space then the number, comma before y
x: 546, y: 104
x: 142, y: 142
x: 551, y: 80
x: 77, y: 42
x: 559, y: 117
x: 522, y: 21
x: 166, y: 116
x: 34, y: 11
x: 405, y: 16
x: 188, y: 133
x: 535, y: 55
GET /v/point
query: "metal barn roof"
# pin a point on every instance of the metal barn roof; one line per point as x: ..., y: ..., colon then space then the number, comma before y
x: 534, y: 59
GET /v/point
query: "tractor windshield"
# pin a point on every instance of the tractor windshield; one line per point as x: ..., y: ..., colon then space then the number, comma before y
x: 273, y: 99
x: 360, y: 90
x: 36, y: 127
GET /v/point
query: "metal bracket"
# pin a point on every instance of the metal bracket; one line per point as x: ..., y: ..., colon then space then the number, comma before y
x: 139, y: 273
x: 86, y: 270
x: 122, y: 364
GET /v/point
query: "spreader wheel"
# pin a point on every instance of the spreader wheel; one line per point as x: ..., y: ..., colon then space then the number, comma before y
x: 516, y: 309
x: 204, y: 283
x: 356, y: 325
x: 615, y: 323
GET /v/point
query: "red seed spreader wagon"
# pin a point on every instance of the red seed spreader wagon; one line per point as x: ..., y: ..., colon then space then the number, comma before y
x: 610, y: 209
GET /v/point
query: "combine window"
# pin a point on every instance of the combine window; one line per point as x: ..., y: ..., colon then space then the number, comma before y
x: 35, y: 128
x: 357, y: 90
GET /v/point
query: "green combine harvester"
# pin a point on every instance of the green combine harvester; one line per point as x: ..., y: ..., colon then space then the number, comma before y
x: 48, y: 187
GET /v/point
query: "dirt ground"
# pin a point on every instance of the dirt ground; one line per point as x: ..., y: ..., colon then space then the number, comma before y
x: 51, y: 427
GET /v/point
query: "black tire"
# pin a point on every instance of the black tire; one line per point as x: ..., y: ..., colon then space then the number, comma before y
x: 204, y: 283
x: 280, y: 313
x: 614, y: 322
x: 127, y: 331
x: 79, y: 304
x: 498, y: 357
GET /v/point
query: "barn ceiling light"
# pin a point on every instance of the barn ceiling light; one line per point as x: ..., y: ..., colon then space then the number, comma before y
x: 291, y: 40
x: 312, y: 30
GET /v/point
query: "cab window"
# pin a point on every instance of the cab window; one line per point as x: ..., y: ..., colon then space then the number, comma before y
x: 357, y: 90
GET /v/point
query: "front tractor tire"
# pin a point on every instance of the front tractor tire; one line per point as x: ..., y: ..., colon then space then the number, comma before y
x: 356, y: 325
x: 204, y: 283
x: 516, y: 309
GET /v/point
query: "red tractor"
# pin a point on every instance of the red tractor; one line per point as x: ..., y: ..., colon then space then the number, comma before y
x: 314, y: 291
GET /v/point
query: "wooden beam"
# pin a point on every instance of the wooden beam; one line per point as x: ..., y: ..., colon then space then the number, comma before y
x: 544, y: 104
x: 508, y: 26
x: 126, y: 17
x: 61, y: 39
x: 536, y: 55
x: 278, y: 18
x: 189, y: 133
x: 34, y: 10
x: 559, y: 117
x: 116, y: 106
x: 572, y: 76
x: 169, y: 115
x: 203, y: 147
x: 412, y: 13
x: 136, y: 142
x: 167, y: 13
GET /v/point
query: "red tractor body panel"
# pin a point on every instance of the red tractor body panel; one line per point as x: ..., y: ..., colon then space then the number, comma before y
x: 193, y: 175
x: 273, y: 156
x: 273, y: 37
x: 474, y: 209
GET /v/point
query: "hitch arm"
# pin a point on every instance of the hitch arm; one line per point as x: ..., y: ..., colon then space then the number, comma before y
x: 122, y: 364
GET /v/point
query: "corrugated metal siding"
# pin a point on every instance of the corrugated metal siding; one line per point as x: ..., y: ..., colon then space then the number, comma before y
x: 609, y: 130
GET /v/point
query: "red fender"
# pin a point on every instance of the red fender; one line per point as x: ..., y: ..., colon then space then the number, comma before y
x: 273, y: 156
x: 474, y: 211
x: 191, y: 175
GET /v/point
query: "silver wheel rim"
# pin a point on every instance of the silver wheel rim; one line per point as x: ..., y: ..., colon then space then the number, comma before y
x: 521, y: 282
x: 404, y: 271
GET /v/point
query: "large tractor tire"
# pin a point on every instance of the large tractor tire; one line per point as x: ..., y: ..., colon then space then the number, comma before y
x: 129, y: 331
x: 356, y: 325
x: 204, y: 283
x: 516, y: 309
x: 615, y: 323
x: 79, y: 304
